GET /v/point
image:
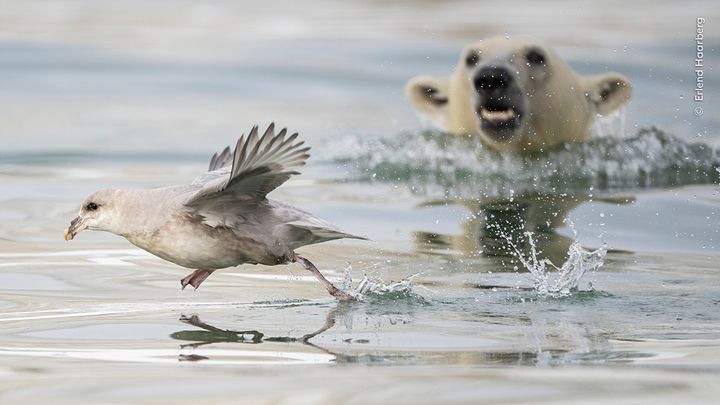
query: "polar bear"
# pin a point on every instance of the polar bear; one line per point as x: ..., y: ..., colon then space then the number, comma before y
x: 517, y: 95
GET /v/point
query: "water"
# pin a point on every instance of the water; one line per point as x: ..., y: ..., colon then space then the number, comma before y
x: 459, y: 167
x: 138, y: 94
x: 551, y: 280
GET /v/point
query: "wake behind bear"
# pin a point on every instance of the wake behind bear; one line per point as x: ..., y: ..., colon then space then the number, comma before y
x: 517, y: 95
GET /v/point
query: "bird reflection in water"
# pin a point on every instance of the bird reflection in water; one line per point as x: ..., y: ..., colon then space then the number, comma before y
x: 211, y: 334
x: 580, y: 344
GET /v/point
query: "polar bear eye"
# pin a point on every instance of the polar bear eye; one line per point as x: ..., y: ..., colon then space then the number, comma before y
x: 472, y: 58
x: 535, y: 57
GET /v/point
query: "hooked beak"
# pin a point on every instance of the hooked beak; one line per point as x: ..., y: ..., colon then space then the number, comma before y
x: 76, y: 226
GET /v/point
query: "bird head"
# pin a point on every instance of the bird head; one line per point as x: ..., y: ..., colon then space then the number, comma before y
x: 98, y: 212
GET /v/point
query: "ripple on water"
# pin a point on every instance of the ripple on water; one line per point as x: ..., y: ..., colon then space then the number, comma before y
x: 32, y: 282
x: 171, y: 356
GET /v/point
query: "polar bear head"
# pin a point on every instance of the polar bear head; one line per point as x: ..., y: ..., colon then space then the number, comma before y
x: 516, y: 94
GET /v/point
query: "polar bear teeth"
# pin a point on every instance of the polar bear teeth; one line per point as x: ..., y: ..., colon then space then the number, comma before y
x: 497, y: 115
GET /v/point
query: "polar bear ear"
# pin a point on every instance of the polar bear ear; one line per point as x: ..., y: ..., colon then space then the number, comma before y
x: 608, y: 92
x: 429, y: 97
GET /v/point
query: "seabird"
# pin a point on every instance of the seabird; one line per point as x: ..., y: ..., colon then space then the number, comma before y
x: 223, y: 218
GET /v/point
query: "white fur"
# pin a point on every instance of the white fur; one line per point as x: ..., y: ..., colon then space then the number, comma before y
x: 561, y: 104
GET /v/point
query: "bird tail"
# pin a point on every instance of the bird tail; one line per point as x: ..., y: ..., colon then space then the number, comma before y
x: 305, y: 234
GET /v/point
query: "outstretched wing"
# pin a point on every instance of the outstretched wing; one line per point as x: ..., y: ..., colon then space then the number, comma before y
x: 260, y: 164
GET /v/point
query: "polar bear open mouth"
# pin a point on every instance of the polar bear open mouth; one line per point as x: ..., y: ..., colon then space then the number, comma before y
x: 498, y: 120
x: 498, y: 117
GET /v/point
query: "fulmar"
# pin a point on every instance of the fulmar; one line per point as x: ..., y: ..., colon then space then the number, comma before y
x: 223, y: 218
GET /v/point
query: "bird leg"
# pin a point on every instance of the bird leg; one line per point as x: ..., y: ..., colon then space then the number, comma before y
x: 334, y: 291
x: 195, y: 278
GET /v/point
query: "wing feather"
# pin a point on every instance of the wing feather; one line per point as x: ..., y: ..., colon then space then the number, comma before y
x: 220, y: 160
x: 259, y: 164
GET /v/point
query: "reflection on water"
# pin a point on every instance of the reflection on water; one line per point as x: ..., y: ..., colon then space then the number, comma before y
x: 494, y: 225
x: 581, y: 345
x: 523, y: 229
x: 211, y: 334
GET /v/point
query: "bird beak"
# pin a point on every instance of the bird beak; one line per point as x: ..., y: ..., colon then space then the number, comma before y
x: 76, y: 226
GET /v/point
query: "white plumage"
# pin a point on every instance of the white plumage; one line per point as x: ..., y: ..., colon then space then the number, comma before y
x: 223, y: 218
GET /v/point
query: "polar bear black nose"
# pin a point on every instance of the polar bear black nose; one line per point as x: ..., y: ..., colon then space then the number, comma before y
x: 491, y: 78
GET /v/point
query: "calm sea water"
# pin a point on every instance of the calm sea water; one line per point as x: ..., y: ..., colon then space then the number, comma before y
x: 139, y: 94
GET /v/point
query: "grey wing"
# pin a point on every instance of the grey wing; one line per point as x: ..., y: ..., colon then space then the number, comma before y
x: 260, y: 164
x: 220, y: 160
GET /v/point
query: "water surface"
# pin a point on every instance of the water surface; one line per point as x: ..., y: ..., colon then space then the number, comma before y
x: 140, y: 95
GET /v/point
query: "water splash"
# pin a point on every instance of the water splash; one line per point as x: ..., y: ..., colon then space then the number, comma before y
x: 460, y: 167
x: 377, y: 288
x: 611, y: 125
x: 565, y: 279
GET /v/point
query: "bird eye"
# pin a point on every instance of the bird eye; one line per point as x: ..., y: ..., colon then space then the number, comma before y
x: 472, y: 58
x: 535, y: 57
x: 92, y: 206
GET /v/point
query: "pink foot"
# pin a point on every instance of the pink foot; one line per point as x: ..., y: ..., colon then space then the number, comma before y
x: 195, y: 278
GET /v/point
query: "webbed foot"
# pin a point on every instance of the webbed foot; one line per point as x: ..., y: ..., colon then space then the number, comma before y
x: 195, y: 278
